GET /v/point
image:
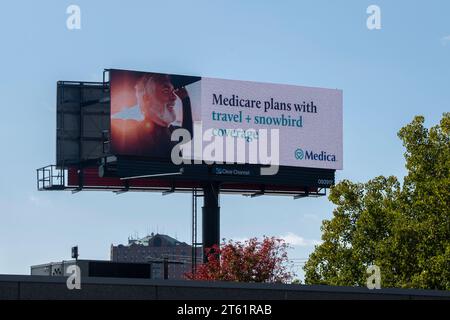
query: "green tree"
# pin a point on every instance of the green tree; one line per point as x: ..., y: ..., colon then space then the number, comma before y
x: 403, y: 229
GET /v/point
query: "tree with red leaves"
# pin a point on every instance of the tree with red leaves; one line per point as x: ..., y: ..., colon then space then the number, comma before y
x: 248, y: 261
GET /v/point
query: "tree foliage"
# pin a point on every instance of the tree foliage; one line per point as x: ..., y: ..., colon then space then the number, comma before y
x: 248, y: 261
x: 403, y: 229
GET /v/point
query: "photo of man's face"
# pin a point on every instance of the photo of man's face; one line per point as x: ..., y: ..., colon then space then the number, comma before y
x: 158, y: 100
x: 146, y: 108
x: 164, y: 93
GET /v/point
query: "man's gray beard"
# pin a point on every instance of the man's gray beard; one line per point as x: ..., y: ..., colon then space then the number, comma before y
x: 161, y: 115
x: 167, y: 116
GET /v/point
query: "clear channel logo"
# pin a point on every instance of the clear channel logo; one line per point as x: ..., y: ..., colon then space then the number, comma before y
x: 301, y: 154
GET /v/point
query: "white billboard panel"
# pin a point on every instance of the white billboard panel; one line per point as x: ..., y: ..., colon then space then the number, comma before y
x: 309, y: 120
x: 229, y: 121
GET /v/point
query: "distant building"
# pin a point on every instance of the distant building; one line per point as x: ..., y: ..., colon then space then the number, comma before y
x: 153, y: 249
x: 94, y: 268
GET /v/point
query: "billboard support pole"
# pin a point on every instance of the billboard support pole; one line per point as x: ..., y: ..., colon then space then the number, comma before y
x: 210, y: 217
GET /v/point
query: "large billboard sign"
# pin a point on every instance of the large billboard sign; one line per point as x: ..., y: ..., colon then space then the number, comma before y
x: 160, y: 116
x: 153, y: 131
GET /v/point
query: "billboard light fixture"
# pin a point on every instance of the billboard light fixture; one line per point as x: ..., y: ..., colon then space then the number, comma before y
x: 167, y: 192
x: 76, y: 190
x: 154, y: 175
x: 121, y: 191
x: 257, y: 194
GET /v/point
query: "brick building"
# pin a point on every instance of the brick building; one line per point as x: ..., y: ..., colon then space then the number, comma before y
x: 154, y: 248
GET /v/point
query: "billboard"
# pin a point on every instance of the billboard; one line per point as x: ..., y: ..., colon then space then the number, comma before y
x: 82, y: 122
x: 224, y: 121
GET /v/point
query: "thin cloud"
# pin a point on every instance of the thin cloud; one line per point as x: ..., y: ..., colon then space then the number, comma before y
x: 38, y: 201
x: 290, y: 238
x: 445, y: 40
x: 298, y: 241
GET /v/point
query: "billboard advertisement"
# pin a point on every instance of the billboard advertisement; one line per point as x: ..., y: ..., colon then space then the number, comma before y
x: 225, y: 121
x: 146, y: 108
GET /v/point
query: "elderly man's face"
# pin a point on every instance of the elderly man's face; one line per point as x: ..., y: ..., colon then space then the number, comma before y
x: 163, y: 93
x: 159, y: 103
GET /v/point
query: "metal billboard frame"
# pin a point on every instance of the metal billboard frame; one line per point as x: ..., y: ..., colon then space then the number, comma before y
x: 84, y: 163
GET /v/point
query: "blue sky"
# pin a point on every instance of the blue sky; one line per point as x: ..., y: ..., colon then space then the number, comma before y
x: 387, y: 76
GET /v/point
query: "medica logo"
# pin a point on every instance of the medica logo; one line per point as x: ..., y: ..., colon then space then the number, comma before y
x: 301, y: 154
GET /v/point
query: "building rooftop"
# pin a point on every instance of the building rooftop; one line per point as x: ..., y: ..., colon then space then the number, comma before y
x: 156, y: 240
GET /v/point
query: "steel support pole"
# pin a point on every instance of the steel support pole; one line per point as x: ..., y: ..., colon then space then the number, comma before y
x: 210, y: 217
